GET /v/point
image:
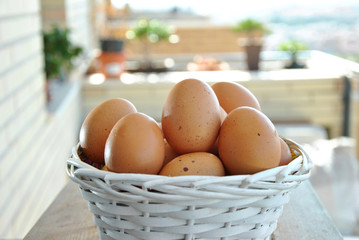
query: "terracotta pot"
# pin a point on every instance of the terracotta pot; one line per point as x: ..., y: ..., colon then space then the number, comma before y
x: 112, y: 58
x: 253, y: 56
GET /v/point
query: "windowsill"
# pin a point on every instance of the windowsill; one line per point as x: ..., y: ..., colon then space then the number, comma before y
x: 58, y: 91
x: 62, y: 92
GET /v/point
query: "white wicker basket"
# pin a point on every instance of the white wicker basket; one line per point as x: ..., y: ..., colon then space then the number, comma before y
x: 138, y: 206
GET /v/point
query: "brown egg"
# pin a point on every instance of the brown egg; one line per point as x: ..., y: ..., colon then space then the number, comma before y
x: 191, y: 117
x: 198, y: 163
x: 170, y: 154
x: 248, y: 142
x: 104, y: 168
x: 135, y: 145
x: 223, y: 114
x: 286, y: 154
x: 214, y: 148
x: 98, y: 124
x: 232, y: 95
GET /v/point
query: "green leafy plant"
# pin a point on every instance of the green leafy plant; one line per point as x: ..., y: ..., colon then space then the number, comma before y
x: 252, y: 32
x: 59, y: 52
x: 150, y: 32
x: 292, y: 46
x: 250, y: 26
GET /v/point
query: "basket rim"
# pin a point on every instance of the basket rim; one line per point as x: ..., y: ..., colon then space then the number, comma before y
x: 185, y: 197
x: 300, y: 166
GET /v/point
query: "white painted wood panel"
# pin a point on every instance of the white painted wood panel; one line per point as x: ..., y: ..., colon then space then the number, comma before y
x: 291, y: 99
x: 34, y: 144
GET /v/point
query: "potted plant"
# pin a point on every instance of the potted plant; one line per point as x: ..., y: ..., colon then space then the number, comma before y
x: 293, y: 47
x: 59, y: 53
x: 252, y: 32
x: 150, y: 32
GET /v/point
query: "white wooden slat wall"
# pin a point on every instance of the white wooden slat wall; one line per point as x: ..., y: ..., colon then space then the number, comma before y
x: 34, y: 143
x: 313, y: 101
x: 77, y: 19
x: 22, y: 110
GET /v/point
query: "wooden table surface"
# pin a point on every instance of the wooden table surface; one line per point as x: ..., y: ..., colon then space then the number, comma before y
x: 303, y: 218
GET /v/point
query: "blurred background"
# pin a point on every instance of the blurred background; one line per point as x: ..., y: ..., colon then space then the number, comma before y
x: 60, y: 58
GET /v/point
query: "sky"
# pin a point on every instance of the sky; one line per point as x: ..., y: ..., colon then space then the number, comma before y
x: 228, y: 10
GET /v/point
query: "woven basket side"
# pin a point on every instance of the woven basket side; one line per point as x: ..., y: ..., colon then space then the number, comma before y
x: 139, y: 206
x: 169, y: 220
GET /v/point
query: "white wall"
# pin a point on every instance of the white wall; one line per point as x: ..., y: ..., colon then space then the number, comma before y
x: 34, y: 144
x: 78, y: 20
x: 74, y: 14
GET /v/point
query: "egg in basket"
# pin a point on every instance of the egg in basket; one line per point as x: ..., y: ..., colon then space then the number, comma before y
x: 214, y: 168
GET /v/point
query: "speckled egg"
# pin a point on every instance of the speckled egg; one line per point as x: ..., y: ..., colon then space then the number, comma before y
x: 198, y: 163
x: 135, y: 145
x: 191, y: 116
x: 248, y: 142
x: 232, y: 95
x: 98, y: 124
x: 286, y: 154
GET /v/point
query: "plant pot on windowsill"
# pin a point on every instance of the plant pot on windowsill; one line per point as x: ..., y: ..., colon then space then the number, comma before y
x: 150, y: 32
x: 293, y: 64
x: 253, y: 48
x: 111, y: 61
x: 59, y: 53
x: 293, y: 47
x: 53, y: 81
x: 251, y: 39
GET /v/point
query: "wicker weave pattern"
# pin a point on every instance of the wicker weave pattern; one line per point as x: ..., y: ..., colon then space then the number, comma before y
x: 138, y: 206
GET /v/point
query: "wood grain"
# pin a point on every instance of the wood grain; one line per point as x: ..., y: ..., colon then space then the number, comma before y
x: 305, y: 218
x: 68, y: 218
